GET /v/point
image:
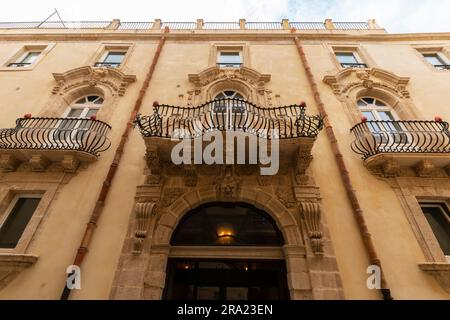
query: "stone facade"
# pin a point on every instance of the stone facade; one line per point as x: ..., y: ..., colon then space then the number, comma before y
x: 127, y: 255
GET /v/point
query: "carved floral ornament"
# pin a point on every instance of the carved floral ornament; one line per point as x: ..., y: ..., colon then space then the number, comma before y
x: 244, y: 77
x: 348, y: 79
x: 115, y: 80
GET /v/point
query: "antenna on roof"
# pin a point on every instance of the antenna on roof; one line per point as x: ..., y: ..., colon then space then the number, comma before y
x: 54, y: 12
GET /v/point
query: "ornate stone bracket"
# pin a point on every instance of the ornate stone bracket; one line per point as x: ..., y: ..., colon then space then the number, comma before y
x: 112, y: 78
x: 311, y: 213
x: 145, y: 211
x: 153, y: 160
x: 303, y: 159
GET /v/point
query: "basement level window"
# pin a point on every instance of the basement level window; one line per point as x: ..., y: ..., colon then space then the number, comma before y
x: 25, y: 60
x: 229, y: 59
x: 438, y: 216
x: 16, y: 219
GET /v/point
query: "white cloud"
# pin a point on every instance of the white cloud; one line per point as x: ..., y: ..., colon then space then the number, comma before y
x: 394, y: 15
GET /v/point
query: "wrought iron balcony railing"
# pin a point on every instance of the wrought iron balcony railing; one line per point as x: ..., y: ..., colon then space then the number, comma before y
x: 84, y: 135
x: 230, y: 114
x: 354, y: 65
x: 376, y: 137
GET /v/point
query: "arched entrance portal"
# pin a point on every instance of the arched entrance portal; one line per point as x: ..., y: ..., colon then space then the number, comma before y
x: 226, y: 251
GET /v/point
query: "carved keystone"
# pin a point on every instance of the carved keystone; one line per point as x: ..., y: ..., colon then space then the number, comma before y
x: 311, y: 213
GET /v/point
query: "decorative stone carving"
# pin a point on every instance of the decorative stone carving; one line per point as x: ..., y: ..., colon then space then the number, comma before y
x: 303, y: 159
x: 112, y: 78
x: 311, y: 213
x: 190, y: 176
x: 349, y: 78
x: 264, y: 181
x: 229, y: 185
x: 153, y: 161
x: 391, y: 168
x: 144, y: 214
x: 286, y: 197
x: 170, y: 195
x: 70, y: 163
x: 424, y: 168
x: 8, y: 162
x: 38, y: 162
x: 216, y: 73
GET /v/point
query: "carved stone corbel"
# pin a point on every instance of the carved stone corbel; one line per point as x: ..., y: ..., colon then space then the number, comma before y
x: 8, y: 162
x: 153, y: 160
x: 311, y: 213
x: 38, y: 162
x: 424, y: 168
x: 145, y: 211
x: 303, y: 159
x: 190, y: 176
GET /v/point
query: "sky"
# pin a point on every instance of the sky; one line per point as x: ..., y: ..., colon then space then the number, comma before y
x: 397, y: 16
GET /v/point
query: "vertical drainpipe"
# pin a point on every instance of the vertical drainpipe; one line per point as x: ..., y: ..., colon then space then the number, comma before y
x: 96, y: 213
x: 356, y: 207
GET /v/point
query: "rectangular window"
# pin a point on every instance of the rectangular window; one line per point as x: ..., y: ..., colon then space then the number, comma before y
x: 230, y: 59
x: 438, y: 216
x: 13, y: 226
x: 436, y: 60
x: 26, y: 60
x: 349, y: 60
x: 111, y: 59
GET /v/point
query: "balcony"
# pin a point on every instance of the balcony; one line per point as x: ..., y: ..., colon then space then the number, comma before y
x: 387, y: 146
x: 42, y: 141
x: 295, y: 130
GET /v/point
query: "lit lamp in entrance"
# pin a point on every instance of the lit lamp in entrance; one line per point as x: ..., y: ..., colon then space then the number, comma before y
x: 225, y: 237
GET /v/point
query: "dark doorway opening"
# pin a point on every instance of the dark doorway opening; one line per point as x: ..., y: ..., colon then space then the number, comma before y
x: 226, y: 280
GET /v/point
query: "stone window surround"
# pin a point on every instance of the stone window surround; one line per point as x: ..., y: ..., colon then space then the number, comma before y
x: 360, y: 52
x: 111, y: 46
x: 412, y: 192
x: 20, y: 50
x: 13, y: 261
x: 442, y: 51
x: 242, y: 47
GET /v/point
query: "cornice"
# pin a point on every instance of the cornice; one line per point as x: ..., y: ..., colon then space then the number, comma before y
x: 217, y: 35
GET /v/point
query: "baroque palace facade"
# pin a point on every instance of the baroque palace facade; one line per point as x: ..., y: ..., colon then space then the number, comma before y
x: 358, y: 209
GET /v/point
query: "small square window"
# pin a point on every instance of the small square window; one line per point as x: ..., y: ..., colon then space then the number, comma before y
x: 111, y: 59
x: 436, y: 60
x: 349, y: 60
x: 26, y: 59
x: 229, y: 59
x: 17, y: 218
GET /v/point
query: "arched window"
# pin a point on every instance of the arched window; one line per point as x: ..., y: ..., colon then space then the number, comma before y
x: 229, y: 94
x: 227, y: 225
x: 374, y: 109
x: 85, y: 107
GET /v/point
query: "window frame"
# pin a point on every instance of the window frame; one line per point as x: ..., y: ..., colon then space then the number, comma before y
x: 376, y: 109
x: 229, y: 65
x: 9, y: 210
x: 20, y: 53
x: 355, y: 54
x: 105, y: 55
x: 442, y: 53
x: 105, y: 48
x: 445, y: 211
